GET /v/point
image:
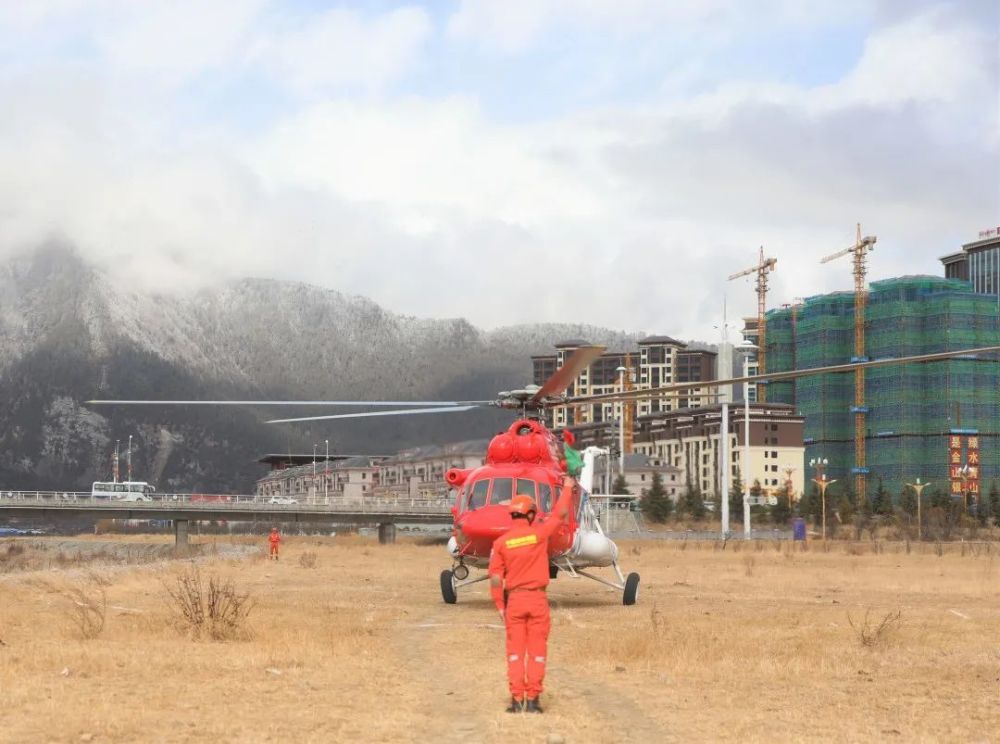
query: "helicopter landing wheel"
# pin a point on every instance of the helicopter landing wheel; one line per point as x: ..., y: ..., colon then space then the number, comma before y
x: 631, y: 593
x: 448, y: 592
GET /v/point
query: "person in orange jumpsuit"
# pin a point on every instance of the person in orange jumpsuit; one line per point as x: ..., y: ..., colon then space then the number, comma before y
x: 274, y: 539
x: 519, y: 573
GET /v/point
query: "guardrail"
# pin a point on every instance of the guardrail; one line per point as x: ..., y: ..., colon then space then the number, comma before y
x: 223, y: 502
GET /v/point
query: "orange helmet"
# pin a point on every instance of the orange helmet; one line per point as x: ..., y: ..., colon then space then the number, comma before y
x: 522, y: 504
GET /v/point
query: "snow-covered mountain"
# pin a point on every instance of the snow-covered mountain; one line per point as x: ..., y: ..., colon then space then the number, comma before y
x: 69, y: 333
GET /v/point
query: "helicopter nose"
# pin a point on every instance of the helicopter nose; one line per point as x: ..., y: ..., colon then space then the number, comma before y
x: 484, y: 525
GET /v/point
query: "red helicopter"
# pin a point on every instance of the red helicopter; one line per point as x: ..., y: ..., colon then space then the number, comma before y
x: 529, y: 459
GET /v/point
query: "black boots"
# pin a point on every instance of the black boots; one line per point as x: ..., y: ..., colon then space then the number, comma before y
x: 531, y: 706
x: 515, y: 706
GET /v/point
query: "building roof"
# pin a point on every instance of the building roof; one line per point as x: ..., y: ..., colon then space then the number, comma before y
x: 362, y: 462
x: 661, y: 340
x: 304, y: 459
x: 572, y: 343
x: 470, y: 447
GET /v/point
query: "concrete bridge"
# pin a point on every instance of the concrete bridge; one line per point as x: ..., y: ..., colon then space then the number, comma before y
x: 182, y: 508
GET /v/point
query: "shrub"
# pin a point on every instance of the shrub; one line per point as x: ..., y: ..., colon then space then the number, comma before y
x: 87, y: 605
x: 216, y: 610
x: 307, y: 560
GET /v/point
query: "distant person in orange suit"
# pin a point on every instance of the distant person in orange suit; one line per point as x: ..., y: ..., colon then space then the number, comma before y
x: 275, y: 540
x: 519, y: 573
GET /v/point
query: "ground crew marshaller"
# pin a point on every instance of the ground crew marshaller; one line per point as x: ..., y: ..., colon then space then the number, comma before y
x: 275, y: 540
x: 519, y: 573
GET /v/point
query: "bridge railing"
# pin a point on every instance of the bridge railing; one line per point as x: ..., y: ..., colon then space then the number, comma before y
x: 224, y: 502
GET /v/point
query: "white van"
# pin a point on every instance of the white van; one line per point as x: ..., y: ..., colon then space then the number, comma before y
x: 123, y: 491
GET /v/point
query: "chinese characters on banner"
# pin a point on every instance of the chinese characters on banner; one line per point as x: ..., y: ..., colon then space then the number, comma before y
x: 956, y: 462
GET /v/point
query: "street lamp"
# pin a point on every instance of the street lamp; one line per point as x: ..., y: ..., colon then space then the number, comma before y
x: 746, y: 348
x: 919, y: 488
x: 314, y: 472
x: 622, y: 371
x: 821, y: 482
x: 326, y: 475
x: 788, y: 483
x: 965, y: 472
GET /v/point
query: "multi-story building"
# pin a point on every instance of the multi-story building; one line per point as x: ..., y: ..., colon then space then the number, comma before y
x: 979, y: 263
x: 687, y: 441
x: 419, y: 472
x: 659, y: 360
x: 413, y: 473
x: 919, y: 418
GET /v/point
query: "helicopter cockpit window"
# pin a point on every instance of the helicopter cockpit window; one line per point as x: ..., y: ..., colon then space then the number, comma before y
x: 544, y: 497
x: 477, y: 494
x: 502, y: 491
x: 526, y: 487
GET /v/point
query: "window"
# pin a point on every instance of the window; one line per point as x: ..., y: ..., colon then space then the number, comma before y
x: 766, y: 453
x: 477, y: 495
x: 503, y: 491
x: 524, y: 487
x: 774, y: 468
x: 774, y: 454
x: 544, y: 497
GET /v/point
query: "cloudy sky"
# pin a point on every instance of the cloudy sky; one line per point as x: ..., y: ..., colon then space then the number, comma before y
x: 602, y: 161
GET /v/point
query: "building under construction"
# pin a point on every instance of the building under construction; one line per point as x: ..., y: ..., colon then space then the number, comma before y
x: 927, y: 420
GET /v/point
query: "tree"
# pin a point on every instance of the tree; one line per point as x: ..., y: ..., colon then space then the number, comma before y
x: 736, y: 494
x: 908, y: 501
x: 994, y: 500
x: 882, y: 500
x: 692, y: 504
x: 655, y: 503
x: 811, y: 504
x: 620, y: 485
x: 781, y: 513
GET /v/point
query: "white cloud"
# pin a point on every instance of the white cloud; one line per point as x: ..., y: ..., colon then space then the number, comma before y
x: 340, y: 48
x: 625, y: 215
x: 513, y: 25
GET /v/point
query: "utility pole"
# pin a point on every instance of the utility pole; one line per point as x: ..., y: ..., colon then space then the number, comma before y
x: 860, y: 251
x: 724, y: 469
x: 622, y: 373
x: 129, y: 457
x: 326, y: 474
x: 115, y: 468
x: 762, y: 269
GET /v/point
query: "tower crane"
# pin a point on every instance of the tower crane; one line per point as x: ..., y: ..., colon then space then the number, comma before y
x: 762, y: 269
x: 860, y: 251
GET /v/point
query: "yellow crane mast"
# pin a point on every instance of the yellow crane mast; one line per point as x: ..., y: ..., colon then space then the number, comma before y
x: 860, y: 251
x: 762, y: 269
x: 628, y: 413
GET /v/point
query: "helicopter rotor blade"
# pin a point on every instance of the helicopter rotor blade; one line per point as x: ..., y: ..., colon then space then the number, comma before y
x: 371, y: 414
x: 777, y: 376
x: 372, y: 403
x: 563, y: 377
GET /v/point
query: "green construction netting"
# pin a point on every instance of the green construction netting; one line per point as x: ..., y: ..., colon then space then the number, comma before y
x: 911, y: 408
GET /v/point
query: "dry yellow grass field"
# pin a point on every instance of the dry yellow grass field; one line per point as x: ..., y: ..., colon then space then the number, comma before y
x: 750, y: 643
